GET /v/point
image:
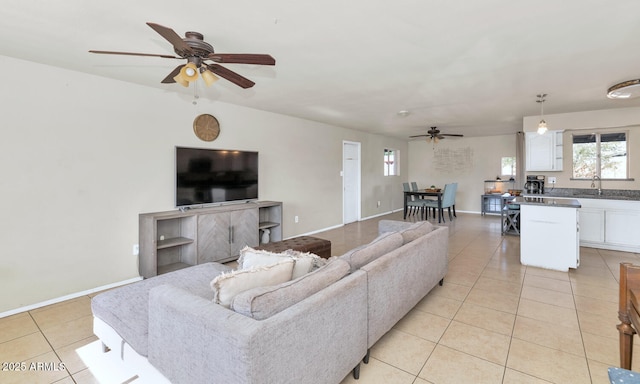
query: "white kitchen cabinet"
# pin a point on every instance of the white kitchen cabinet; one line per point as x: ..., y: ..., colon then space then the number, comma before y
x: 549, y: 236
x: 544, y: 152
x: 591, y: 225
x: 621, y: 227
x: 610, y: 224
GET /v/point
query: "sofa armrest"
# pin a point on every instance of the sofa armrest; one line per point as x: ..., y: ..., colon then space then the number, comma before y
x: 193, y: 340
x: 398, y: 280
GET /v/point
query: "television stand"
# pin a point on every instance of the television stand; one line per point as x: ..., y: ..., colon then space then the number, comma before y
x: 173, y: 240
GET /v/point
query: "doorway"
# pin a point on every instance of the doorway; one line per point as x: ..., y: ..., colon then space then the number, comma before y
x: 350, y: 182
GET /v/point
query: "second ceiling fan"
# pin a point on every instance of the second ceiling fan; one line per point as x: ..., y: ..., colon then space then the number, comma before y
x: 434, y: 134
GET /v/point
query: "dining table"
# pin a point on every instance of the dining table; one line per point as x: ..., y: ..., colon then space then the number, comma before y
x: 420, y: 193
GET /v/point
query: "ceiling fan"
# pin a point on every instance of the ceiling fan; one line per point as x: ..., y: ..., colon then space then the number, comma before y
x: 197, y: 52
x: 434, y: 134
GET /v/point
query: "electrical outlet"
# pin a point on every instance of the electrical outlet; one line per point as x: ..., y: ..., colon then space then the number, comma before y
x: 295, y: 219
x: 552, y: 180
x: 378, y: 204
x: 136, y: 249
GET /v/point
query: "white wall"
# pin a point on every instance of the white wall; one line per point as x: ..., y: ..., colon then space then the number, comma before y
x: 467, y: 161
x: 82, y: 156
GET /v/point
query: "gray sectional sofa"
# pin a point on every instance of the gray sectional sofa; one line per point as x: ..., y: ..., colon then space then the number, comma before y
x: 313, y: 329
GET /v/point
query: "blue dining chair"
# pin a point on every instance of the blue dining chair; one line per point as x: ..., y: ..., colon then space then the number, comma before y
x: 448, y: 200
x: 413, y: 205
x: 414, y: 187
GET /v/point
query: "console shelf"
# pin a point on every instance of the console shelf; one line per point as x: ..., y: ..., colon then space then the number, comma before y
x: 267, y: 224
x: 173, y: 240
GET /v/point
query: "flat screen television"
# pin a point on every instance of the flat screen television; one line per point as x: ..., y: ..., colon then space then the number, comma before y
x: 210, y: 176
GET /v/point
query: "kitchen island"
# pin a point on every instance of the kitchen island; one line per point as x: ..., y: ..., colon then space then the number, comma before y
x: 549, y: 235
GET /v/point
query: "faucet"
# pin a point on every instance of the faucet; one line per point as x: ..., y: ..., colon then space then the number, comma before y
x: 593, y: 184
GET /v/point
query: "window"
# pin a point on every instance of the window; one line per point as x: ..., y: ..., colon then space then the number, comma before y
x: 508, y: 166
x: 391, y: 162
x: 600, y: 154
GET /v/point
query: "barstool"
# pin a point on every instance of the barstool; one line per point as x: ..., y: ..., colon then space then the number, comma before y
x: 510, y: 217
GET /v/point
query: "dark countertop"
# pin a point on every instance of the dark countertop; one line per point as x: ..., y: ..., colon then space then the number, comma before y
x: 581, y: 193
x: 547, y: 201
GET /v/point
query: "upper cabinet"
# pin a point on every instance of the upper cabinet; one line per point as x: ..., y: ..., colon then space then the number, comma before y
x: 544, y: 152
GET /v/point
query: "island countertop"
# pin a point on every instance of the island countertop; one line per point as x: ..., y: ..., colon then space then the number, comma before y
x: 547, y: 201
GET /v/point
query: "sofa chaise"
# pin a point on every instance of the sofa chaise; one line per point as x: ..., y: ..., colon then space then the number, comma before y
x: 314, y: 328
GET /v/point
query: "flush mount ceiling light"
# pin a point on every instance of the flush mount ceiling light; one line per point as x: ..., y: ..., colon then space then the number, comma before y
x: 542, y: 125
x: 625, y: 90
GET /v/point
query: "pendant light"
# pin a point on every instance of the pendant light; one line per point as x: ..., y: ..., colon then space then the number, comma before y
x: 542, y: 125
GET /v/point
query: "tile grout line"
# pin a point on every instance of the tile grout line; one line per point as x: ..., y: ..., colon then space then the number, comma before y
x: 55, y: 352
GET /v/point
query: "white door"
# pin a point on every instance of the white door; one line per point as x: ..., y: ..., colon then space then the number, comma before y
x: 350, y: 182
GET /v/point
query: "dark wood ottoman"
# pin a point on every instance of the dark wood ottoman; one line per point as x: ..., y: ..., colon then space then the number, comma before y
x: 320, y: 247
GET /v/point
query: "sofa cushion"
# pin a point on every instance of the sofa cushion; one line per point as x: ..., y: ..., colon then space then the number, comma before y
x: 227, y: 285
x: 126, y: 308
x: 416, y: 230
x: 263, y: 302
x: 305, y: 262
x: 364, y: 254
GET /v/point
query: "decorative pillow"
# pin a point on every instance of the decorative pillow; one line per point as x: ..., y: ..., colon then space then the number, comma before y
x: 365, y: 254
x: 227, y: 285
x: 263, y: 302
x: 250, y: 258
x: 418, y: 229
x: 305, y: 262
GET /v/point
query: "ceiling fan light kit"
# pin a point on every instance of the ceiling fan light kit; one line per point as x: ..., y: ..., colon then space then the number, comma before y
x: 187, y: 74
x: 625, y: 90
x: 542, y: 125
x: 193, y: 48
x: 208, y: 77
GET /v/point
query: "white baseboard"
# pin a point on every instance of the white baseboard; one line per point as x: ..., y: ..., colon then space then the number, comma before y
x: 342, y: 225
x: 68, y: 297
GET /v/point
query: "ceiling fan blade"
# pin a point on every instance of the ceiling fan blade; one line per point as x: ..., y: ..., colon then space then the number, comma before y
x: 451, y: 134
x: 171, y: 36
x: 134, y: 54
x: 230, y: 75
x: 169, y: 79
x: 411, y: 137
x: 242, y: 58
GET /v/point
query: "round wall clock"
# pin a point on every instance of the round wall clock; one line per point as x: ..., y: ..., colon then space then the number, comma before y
x: 206, y: 127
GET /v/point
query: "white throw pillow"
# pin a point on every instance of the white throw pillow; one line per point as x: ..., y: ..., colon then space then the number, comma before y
x: 305, y: 262
x: 227, y: 285
x: 250, y: 258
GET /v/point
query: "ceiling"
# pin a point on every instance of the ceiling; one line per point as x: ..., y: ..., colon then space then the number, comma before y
x: 471, y: 68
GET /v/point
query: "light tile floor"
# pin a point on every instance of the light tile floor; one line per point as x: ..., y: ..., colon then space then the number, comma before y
x: 493, y: 321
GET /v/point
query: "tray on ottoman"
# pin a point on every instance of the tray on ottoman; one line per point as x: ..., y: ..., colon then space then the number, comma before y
x: 317, y: 246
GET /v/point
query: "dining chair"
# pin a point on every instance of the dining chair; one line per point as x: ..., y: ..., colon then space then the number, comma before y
x: 628, y: 311
x: 414, y: 187
x: 414, y: 204
x: 448, y: 200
